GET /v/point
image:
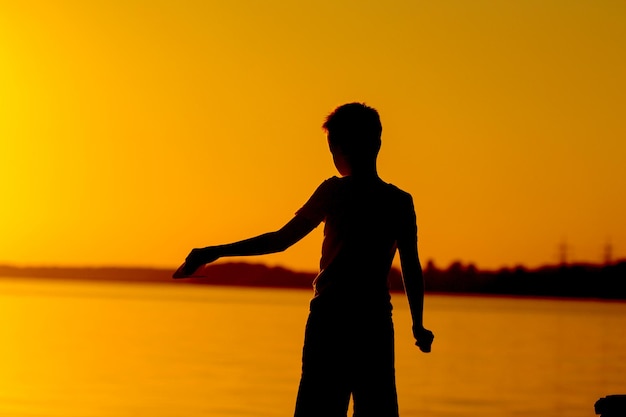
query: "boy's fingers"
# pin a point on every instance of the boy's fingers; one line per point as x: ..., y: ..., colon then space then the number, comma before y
x: 186, y: 270
x: 189, y: 268
x: 425, y: 341
x: 180, y: 272
x: 424, y: 346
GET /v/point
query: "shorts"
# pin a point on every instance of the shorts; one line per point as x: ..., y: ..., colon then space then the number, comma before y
x: 343, y: 355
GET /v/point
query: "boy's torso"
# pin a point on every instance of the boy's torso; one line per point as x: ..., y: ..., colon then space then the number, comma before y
x: 363, y: 221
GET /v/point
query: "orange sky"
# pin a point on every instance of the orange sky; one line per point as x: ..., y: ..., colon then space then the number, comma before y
x: 132, y: 131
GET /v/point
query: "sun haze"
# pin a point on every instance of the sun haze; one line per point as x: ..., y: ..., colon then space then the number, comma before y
x: 132, y: 131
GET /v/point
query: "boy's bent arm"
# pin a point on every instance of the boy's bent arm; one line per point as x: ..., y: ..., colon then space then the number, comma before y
x: 272, y: 242
x: 413, y: 279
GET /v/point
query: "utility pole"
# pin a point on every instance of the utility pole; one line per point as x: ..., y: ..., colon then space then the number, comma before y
x: 608, y: 253
x: 563, y: 249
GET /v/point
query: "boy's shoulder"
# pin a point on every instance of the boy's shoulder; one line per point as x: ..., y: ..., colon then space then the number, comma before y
x: 347, y: 181
x: 398, y: 190
x: 402, y: 198
x: 337, y: 186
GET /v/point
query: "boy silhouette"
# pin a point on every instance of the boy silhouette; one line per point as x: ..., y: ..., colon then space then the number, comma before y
x: 349, y: 336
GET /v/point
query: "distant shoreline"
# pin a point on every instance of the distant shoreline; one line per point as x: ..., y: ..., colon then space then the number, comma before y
x: 581, y: 281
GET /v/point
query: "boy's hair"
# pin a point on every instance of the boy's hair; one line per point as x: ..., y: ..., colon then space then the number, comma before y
x: 355, y: 129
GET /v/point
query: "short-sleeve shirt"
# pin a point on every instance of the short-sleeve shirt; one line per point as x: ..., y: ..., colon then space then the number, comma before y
x: 364, y: 220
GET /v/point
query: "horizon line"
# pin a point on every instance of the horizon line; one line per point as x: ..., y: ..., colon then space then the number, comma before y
x: 268, y: 265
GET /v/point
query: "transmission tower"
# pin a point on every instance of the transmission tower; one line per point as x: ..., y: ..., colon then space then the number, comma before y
x: 563, y: 252
x: 608, y: 253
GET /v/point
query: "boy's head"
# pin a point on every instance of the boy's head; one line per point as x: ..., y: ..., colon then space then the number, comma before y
x: 354, y: 131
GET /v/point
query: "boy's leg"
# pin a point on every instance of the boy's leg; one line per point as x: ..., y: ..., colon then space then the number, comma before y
x: 374, y: 373
x: 321, y: 397
x: 324, y: 386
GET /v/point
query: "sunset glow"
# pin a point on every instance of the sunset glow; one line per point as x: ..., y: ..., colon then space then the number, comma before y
x: 132, y: 131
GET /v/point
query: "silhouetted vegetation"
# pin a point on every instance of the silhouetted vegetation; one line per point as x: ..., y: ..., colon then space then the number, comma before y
x: 234, y: 273
x: 574, y: 280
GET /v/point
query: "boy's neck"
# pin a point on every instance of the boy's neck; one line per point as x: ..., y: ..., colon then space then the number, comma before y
x: 364, y: 172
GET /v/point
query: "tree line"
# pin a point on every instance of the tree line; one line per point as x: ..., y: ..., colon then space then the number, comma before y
x: 568, y: 280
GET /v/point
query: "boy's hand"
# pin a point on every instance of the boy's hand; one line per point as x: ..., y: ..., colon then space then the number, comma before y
x: 197, y: 258
x: 424, y: 338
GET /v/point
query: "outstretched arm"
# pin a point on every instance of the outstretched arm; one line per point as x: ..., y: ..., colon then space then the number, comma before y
x: 414, y: 287
x: 272, y: 242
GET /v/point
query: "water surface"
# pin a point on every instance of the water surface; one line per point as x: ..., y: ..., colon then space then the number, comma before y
x: 114, y: 349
